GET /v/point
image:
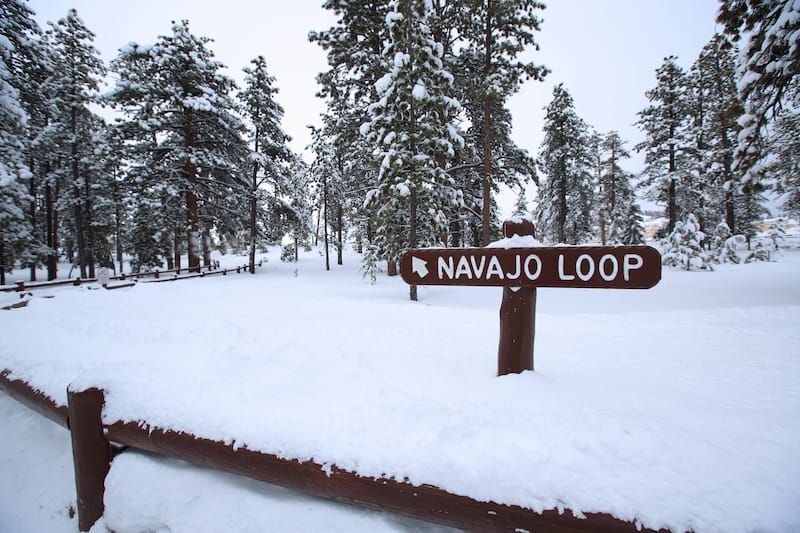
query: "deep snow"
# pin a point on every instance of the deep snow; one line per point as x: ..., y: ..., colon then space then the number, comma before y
x: 677, y: 406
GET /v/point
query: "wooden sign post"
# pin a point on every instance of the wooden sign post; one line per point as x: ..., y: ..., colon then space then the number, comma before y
x: 521, y: 270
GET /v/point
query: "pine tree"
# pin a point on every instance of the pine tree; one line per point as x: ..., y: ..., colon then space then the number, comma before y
x: 667, y: 149
x: 564, y: 210
x: 683, y: 247
x: 268, y: 140
x: 189, y: 145
x: 22, y: 71
x: 495, y: 34
x: 724, y: 244
x: 354, y: 49
x: 615, y: 192
x: 521, y: 205
x: 715, y: 126
x: 631, y: 231
x: 768, y: 70
x: 14, y: 231
x: 73, y: 132
x: 413, y: 134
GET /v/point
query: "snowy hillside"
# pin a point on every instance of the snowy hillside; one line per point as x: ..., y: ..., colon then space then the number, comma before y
x: 676, y: 406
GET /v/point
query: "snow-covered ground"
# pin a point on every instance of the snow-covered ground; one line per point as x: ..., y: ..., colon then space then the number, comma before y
x: 677, y: 406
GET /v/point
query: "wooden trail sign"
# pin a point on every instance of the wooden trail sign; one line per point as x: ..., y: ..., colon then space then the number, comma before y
x: 521, y: 270
x: 595, y: 267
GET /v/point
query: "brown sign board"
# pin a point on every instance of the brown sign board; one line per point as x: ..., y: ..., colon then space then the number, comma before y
x: 591, y: 267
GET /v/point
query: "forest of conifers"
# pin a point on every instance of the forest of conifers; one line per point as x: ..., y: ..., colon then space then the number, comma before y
x: 413, y: 147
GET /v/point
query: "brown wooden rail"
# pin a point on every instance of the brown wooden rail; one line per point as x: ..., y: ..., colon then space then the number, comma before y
x: 157, y: 274
x: 93, y: 450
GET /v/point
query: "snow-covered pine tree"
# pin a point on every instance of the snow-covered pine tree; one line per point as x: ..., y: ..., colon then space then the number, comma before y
x: 14, y: 228
x: 760, y: 252
x: 630, y: 231
x: 666, y: 146
x: 354, y: 49
x: 327, y: 175
x: 269, y: 149
x: 72, y: 134
x: 521, y: 205
x: 369, y: 265
x: 716, y: 108
x: 724, y: 244
x: 683, y: 247
x: 564, y: 204
x: 776, y: 234
x: 23, y: 69
x: 189, y: 144
x: 614, y: 192
x: 413, y: 133
x: 489, y: 69
x: 768, y: 70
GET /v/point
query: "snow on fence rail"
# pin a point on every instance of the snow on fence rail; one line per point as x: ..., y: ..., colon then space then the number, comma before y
x: 157, y: 274
x: 93, y: 445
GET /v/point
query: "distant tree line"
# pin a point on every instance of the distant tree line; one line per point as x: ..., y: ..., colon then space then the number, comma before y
x: 412, y: 150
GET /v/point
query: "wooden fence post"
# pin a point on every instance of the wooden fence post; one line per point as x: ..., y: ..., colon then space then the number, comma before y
x: 517, y: 316
x: 91, y: 453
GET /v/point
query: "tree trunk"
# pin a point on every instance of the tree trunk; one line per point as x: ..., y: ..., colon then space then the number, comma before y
x: 325, y: 220
x: 190, y: 179
x: 339, y: 239
x: 32, y: 191
x: 316, y: 231
x: 2, y: 261
x: 253, y: 206
x: 561, y: 215
x: 50, y: 229
x: 90, y: 258
x: 487, y: 126
x: 118, y: 232
x: 672, y: 208
x: 176, y: 250
x: 602, y: 232
x: 193, y: 220
x: 206, y: 242
x: 412, y: 239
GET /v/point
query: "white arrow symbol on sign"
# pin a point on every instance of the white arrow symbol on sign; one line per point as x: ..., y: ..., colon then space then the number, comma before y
x: 419, y: 266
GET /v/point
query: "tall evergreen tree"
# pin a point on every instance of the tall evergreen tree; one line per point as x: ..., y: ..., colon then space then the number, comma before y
x: 23, y: 69
x: 178, y: 109
x: 615, y: 194
x: 412, y: 130
x: 354, y: 49
x: 14, y: 230
x: 564, y: 210
x: 668, y: 160
x: 269, y: 149
x: 495, y: 34
x: 73, y: 87
x: 716, y: 128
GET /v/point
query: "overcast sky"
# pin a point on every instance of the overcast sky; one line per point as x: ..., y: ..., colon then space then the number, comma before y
x: 604, y: 51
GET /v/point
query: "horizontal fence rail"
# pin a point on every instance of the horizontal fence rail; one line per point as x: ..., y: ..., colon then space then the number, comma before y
x: 94, y: 446
x: 34, y: 399
x: 158, y: 275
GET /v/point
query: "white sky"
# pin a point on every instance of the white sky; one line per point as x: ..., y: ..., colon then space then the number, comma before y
x: 604, y: 51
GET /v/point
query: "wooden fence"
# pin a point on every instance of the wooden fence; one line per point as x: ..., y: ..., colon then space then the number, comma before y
x: 94, y: 444
x: 157, y: 275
